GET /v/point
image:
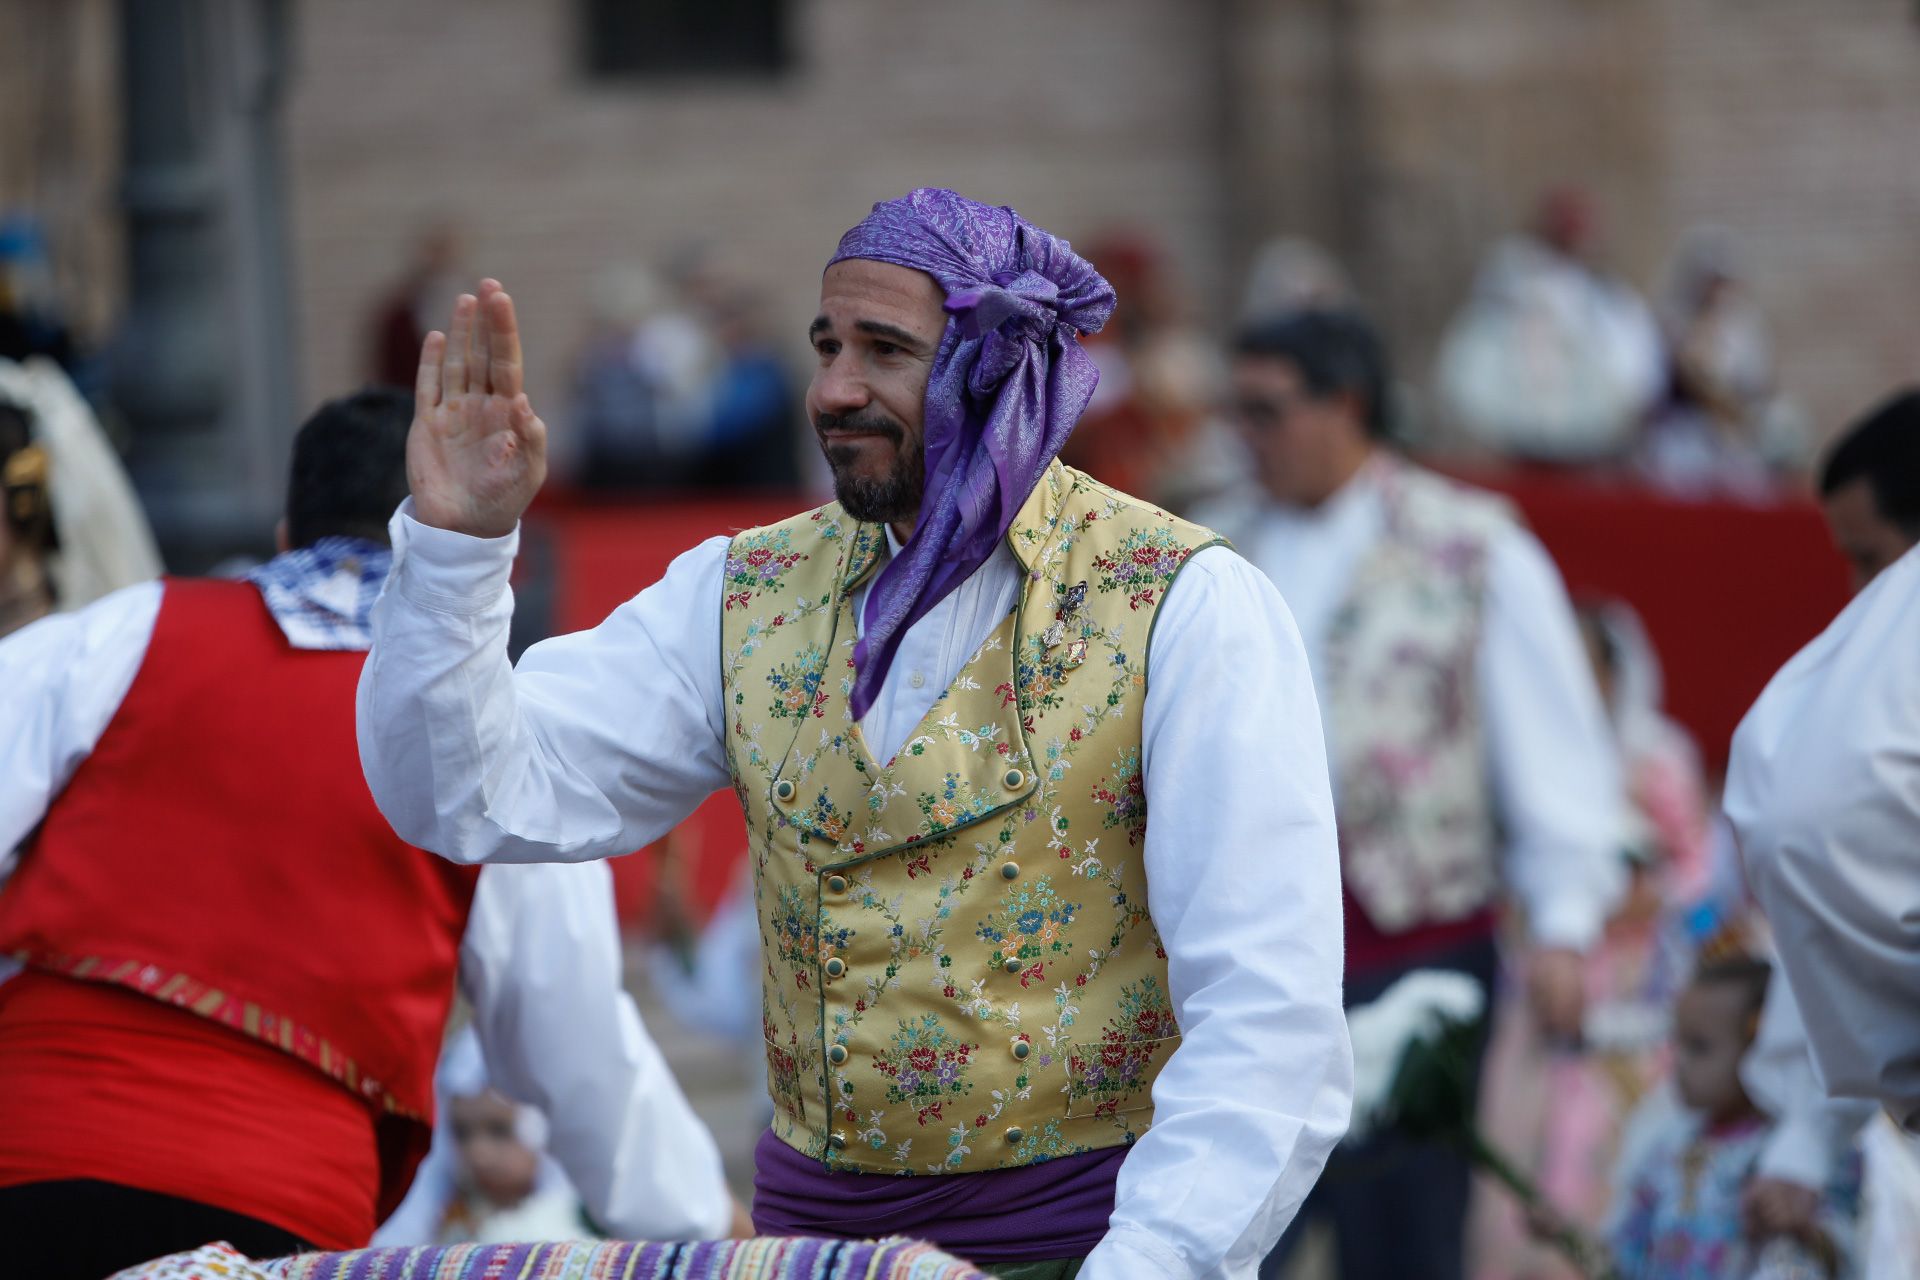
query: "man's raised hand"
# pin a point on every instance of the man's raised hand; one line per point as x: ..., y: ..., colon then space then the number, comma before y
x: 477, y: 453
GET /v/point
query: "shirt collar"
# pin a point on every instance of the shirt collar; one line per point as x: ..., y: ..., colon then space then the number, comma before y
x: 322, y: 595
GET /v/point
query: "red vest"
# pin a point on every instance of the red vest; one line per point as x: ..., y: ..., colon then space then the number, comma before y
x: 219, y: 851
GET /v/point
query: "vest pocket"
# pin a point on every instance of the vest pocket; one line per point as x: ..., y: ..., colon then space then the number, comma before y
x: 785, y: 1068
x: 1108, y: 1076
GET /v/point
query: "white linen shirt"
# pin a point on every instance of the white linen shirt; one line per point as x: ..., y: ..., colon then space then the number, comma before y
x: 1823, y: 791
x: 540, y: 961
x: 1554, y: 768
x: 603, y: 740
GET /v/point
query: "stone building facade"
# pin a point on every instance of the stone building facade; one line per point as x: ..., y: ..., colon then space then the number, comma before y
x: 1403, y: 134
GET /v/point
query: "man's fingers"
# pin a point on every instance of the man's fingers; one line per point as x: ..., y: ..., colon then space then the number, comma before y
x: 426, y: 383
x: 503, y: 372
x: 526, y: 424
x: 459, y: 347
x: 478, y: 373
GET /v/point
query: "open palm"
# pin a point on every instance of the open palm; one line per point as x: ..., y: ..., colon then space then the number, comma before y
x: 477, y: 453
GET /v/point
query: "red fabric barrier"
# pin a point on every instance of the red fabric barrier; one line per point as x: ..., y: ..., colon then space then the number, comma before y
x: 1728, y: 592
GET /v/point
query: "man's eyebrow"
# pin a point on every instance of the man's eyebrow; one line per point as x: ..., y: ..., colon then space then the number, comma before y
x: 892, y: 333
x: 873, y: 329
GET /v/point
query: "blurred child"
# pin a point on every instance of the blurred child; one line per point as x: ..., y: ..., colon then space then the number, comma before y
x: 488, y: 1177
x: 1680, y: 1218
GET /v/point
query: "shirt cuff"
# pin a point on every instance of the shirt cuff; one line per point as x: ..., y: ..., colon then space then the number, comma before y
x: 452, y: 572
x: 1572, y: 921
x: 1801, y: 1150
x: 1133, y: 1253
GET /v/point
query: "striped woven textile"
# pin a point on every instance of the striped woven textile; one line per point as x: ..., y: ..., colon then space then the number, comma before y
x: 771, y: 1258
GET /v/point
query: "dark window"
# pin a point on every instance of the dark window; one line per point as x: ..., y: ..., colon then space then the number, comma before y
x: 644, y: 38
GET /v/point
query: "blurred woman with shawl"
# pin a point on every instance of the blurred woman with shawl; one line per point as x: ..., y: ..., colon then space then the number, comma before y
x: 72, y: 530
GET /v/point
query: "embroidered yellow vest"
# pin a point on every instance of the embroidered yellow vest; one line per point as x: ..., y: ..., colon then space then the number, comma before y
x: 1419, y: 837
x: 959, y: 968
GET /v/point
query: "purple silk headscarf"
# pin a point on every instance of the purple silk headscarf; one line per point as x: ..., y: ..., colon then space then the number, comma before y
x: 1008, y: 382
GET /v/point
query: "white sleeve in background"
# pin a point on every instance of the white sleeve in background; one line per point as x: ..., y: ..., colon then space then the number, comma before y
x: 61, y: 681
x: 1823, y: 791
x: 599, y: 743
x: 541, y: 965
x: 1244, y: 876
x: 1812, y: 1133
x: 1556, y: 770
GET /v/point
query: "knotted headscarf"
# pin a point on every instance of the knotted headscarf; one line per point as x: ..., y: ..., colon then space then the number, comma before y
x: 1009, y: 381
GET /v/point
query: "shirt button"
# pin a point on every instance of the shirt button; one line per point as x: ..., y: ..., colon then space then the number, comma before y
x: 837, y: 1054
x: 836, y: 884
x: 835, y: 966
x: 1011, y: 964
x: 1009, y: 871
x: 1014, y: 1135
x: 838, y: 1141
x: 784, y: 790
x: 918, y: 679
x: 1021, y: 1050
x: 1014, y: 779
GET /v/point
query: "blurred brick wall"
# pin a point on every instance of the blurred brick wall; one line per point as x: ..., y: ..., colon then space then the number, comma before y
x: 60, y: 143
x: 1083, y: 114
x: 1408, y: 133
x: 1798, y: 126
x: 1403, y: 133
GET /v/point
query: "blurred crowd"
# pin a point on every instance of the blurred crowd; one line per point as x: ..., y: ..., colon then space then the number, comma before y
x: 682, y: 381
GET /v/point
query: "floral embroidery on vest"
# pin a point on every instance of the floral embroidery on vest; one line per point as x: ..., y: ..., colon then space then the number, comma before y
x: 925, y: 1066
x: 939, y: 926
x: 1143, y: 565
x: 1029, y: 927
x: 758, y: 562
x: 1111, y: 1072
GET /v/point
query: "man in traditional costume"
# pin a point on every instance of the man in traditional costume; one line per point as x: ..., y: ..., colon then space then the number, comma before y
x: 1032, y: 772
x: 236, y: 978
x: 1471, y: 755
x: 1821, y: 792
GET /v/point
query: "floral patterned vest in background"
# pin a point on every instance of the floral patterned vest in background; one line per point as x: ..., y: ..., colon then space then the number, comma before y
x: 960, y: 972
x: 1418, y: 837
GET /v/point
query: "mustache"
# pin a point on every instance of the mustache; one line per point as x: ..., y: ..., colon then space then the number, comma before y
x: 865, y: 420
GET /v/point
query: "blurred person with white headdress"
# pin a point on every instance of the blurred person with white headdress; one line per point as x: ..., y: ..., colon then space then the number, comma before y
x: 72, y: 530
x: 1551, y: 359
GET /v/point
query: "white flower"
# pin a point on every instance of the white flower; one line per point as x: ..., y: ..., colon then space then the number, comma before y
x: 1417, y: 1007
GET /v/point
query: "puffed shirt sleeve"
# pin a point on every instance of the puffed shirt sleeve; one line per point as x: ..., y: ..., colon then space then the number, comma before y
x: 1812, y: 1133
x: 62, y: 679
x: 1823, y: 791
x: 541, y: 965
x: 1555, y: 768
x: 597, y: 744
x: 1244, y: 887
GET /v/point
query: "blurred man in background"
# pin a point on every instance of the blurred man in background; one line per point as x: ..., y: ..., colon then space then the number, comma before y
x: 1471, y: 758
x: 236, y: 977
x: 1870, y: 487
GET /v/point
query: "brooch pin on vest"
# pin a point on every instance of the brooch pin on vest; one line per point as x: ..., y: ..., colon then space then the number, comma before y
x: 1070, y: 602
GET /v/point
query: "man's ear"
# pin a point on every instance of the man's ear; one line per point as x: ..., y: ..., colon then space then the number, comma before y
x: 282, y: 540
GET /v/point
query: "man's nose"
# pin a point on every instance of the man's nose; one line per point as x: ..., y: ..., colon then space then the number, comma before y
x: 840, y: 387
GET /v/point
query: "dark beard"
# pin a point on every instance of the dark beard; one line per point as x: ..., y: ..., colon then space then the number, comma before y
x: 892, y: 498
